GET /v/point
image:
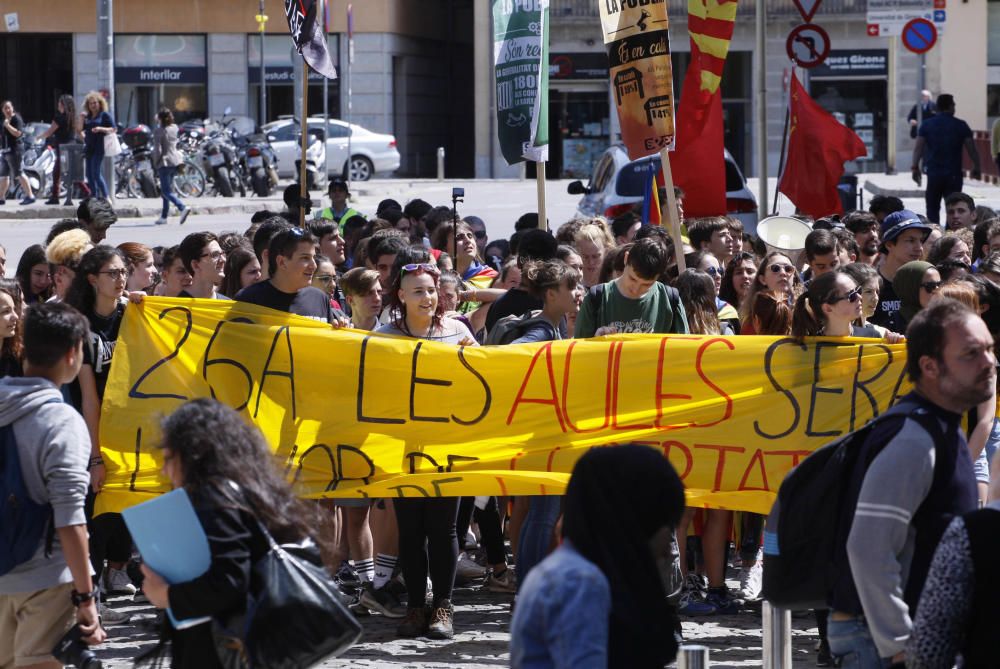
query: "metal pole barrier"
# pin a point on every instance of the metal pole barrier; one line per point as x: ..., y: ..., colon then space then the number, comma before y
x: 692, y: 657
x: 777, y: 637
x: 440, y: 154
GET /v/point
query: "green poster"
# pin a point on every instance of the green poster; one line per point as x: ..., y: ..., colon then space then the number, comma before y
x: 521, y: 56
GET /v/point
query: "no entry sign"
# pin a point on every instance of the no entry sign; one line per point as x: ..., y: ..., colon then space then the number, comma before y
x: 807, y: 45
x: 919, y: 35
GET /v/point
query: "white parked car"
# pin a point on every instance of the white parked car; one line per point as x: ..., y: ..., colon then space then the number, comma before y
x: 617, y: 185
x: 371, y: 153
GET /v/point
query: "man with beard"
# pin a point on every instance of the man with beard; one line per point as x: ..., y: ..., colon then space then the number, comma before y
x: 916, y: 483
x: 865, y: 229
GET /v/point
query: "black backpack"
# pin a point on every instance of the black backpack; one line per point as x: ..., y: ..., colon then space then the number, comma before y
x: 23, y: 522
x: 806, y: 531
x: 509, y: 328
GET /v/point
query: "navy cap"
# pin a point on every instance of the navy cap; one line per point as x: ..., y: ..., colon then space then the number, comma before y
x: 899, y: 222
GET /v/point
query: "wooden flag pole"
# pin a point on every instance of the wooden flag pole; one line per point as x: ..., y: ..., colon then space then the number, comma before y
x: 303, y: 189
x: 669, y: 210
x: 543, y: 222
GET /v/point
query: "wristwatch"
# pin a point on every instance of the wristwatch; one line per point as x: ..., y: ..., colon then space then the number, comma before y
x: 79, y: 598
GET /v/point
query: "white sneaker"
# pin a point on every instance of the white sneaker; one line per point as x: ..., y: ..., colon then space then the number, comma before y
x: 751, y: 579
x: 111, y: 617
x: 468, y: 569
x: 161, y: 221
x: 117, y: 582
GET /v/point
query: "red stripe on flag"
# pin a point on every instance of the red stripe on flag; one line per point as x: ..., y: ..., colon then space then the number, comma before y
x: 718, y: 28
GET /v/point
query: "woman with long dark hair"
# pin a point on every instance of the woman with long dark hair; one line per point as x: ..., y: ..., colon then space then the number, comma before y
x: 427, y: 532
x: 830, y: 307
x: 777, y: 275
x: 242, y: 269
x: 228, y: 471
x: 96, y: 292
x: 33, y: 274
x: 741, y: 271
x: 11, y: 307
x: 598, y: 600
x: 64, y: 130
x: 166, y: 160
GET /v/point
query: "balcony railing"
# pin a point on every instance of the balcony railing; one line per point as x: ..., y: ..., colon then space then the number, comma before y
x: 678, y: 8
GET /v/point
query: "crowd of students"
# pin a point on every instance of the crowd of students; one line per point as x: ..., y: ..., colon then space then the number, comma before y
x: 416, y: 271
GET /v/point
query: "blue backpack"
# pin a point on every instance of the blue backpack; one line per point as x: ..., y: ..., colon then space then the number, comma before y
x: 23, y: 522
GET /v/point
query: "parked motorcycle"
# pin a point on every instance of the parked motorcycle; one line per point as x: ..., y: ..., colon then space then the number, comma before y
x: 139, y: 140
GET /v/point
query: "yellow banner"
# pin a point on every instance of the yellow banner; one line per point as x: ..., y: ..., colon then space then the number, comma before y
x: 351, y: 414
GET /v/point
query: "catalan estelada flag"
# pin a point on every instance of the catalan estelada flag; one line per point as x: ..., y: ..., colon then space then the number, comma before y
x: 698, y: 161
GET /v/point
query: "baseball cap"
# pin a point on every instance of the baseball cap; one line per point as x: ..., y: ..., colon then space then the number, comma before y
x: 899, y: 222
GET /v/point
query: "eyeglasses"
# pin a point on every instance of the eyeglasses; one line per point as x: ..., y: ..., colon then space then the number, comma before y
x: 931, y: 286
x: 851, y: 297
x: 714, y: 271
x: 323, y: 278
x: 115, y: 273
x: 418, y: 268
x: 778, y: 267
x: 214, y: 255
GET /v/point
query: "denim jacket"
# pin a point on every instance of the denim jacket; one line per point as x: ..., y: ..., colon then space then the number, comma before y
x: 562, y: 614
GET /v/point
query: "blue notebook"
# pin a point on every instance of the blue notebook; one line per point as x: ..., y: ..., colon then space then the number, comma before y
x: 171, y: 541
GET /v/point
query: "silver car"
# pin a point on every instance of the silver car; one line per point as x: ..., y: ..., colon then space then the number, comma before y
x: 617, y: 184
x: 371, y: 153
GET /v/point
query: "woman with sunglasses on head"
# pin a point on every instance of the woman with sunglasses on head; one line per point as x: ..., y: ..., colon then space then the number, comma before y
x: 427, y: 535
x: 915, y: 283
x: 96, y: 292
x: 776, y: 274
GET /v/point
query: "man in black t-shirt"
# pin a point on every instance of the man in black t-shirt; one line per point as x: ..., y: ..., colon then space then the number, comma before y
x: 291, y: 265
x: 11, y: 134
x: 203, y: 258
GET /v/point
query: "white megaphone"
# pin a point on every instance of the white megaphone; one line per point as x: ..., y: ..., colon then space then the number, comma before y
x: 783, y: 234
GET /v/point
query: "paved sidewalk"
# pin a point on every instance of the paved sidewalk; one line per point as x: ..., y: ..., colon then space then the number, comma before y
x: 482, y: 623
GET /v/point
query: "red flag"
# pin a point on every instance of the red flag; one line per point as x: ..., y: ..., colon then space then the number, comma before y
x: 697, y: 162
x: 818, y: 146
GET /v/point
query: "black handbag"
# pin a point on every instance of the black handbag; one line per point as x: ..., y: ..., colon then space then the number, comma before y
x: 294, y: 616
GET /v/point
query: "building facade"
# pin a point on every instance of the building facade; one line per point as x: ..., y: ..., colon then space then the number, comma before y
x: 422, y: 70
x: 869, y: 83
x: 410, y: 74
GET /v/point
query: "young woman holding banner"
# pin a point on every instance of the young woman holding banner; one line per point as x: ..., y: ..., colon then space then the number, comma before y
x: 427, y: 534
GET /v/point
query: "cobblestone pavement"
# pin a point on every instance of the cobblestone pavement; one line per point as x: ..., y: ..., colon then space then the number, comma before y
x: 482, y: 622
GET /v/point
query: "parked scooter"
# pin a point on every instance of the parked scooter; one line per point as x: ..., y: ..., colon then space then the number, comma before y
x: 316, y: 177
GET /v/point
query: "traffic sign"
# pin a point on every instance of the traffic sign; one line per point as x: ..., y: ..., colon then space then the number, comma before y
x: 919, y: 35
x: 807, y: 45
x: 807, y: 8
x: 891, y: 15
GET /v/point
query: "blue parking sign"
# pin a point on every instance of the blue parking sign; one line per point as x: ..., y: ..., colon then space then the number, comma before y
x: 939, y: 15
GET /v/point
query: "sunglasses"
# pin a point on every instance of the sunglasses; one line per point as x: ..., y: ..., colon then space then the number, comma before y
x: 851, y: 297
x: 931, y: 286
x: 780, y: 268
x: 714, y: 271
x: 324, y: 278
x: 419, y: 268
